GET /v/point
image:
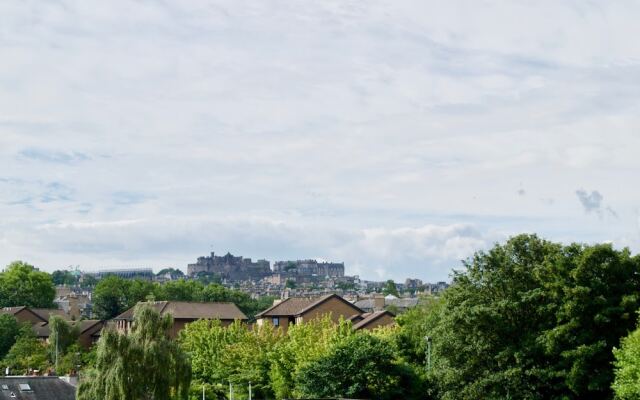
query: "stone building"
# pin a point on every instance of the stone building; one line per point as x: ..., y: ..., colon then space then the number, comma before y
x: 303, y: 271
x: 230, y: 267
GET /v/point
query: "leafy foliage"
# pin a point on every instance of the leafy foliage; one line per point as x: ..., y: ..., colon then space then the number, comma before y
x: 390, y: 289
x: 9, y: 331
x: 28, y: 353
x: 626, y: 385
x: 145, y: 364
x: 533, y: 319
x: 361, y: 366
x: 63, y: 278
x: 22, y: 284
x: 61, y: 335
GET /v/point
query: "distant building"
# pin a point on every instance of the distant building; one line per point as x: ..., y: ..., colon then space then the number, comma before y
x: 185, y: 312
x: 309, y: 268
x: 378, y: 303
x: 126, y: 273
x: 230, y: 267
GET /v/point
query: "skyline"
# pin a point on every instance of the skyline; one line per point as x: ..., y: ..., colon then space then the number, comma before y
x: 396, y: 137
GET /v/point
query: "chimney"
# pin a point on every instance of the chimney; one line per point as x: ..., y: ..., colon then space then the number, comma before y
x: 378, y: 303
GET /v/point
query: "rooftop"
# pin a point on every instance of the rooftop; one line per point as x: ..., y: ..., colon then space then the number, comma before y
x: 192, y: 310
x: 35, y: 388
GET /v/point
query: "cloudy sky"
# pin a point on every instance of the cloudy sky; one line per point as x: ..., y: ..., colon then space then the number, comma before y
x: 396, y: 136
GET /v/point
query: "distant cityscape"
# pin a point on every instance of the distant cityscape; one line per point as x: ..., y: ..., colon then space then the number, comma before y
x: 297, y: 277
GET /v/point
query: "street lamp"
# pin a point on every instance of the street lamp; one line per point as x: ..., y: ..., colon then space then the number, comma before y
x: 428, y: 339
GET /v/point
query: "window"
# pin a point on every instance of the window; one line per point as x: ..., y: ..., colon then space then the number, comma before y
x: 276, y: 321
x: 24, y: 387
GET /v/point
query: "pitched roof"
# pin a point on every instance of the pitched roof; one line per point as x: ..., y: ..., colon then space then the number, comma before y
x: 191, y: 310
x: 294, y: 306
x: 41, y: 388
x: 41, y: 313
x: 46, y: 313
x: 369, y: 318
x: 11, y: 310
x: 43, y: 330
x: 17, y: 310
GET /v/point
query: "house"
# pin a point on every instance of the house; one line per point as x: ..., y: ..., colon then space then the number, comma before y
x: 379, y: 303
x: 32, y: 315
x: 296, y: 310
x: 89, y: 331
x: 35, y: 388
x: 370, y: 321
x: 185, y: 312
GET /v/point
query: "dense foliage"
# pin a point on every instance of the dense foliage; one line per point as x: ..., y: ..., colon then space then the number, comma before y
x: 315, y: 359
x: 22, y: 284
x: 626, y: 385
x: 145, y: 364
x: 532, y: 319
x: 114, y: 295
x: 9, y: 332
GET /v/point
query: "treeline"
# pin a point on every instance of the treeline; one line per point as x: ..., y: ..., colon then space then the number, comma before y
x: 113, y: 295
x: 532, y: 319
x: 527, y: 319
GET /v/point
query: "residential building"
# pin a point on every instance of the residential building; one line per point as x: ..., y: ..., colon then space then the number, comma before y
x: 33, y: 315
x: 370, y: 321
x: 184, y: 312
x: 89, y: 331
x: 296, y: 310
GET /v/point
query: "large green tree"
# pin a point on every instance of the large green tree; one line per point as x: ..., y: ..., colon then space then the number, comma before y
x: 145, y: 364
x: 9, y: 331
x: 362, y: 366
x: 626, y: 385
x: 533, y: 319
x: 22, y: 284
x: 27, y: 353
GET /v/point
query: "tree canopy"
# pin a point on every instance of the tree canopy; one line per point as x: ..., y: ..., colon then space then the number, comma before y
x: 22, y: 284
x: 145, y: 364
x: 534, y: 319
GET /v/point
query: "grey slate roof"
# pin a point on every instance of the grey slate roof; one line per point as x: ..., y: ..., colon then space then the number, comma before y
x: 42, y: 388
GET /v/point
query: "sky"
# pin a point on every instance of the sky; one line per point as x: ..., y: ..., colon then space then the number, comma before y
x: 397, y: 136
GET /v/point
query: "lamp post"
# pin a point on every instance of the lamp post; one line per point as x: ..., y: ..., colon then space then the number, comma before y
x: 428, y: 339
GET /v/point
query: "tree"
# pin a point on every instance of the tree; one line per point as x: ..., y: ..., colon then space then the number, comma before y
x: 114, y: 295
x: 63, y: 278
x: 27, y: 353
x: 61, y: 336
x: 22, y: 284
x: 361, y: 366
x: 533, y: 319
x: 173, y: 272
x: 145, y: 364
x: 110, y: 297
x: 9, y: 331
x: 233, y: 354
x: 390, y: 289
x: 626, y: 385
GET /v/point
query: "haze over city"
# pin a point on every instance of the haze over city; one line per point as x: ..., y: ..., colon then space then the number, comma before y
x: 396, y: 137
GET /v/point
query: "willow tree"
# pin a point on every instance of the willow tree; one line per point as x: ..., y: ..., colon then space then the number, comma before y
x: 145, y: 364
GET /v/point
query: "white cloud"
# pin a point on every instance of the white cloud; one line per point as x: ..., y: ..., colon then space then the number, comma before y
x: 386, y: 128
